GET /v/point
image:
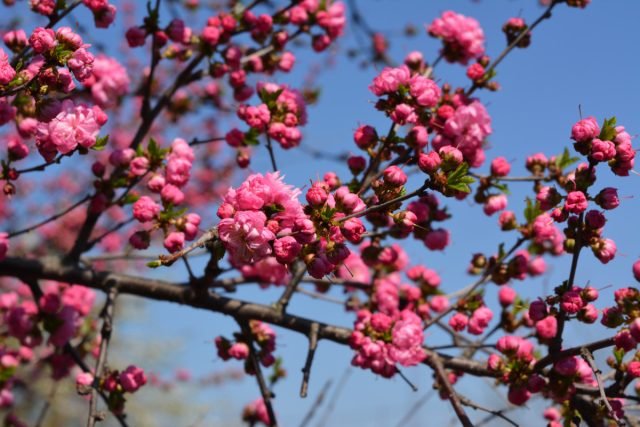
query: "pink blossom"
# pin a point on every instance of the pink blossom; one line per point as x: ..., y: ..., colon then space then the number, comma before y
x: 132, y: 379
x: 108, y: 81
x: 365, y: 136
x: 429, y: 162
x: 624, y: 340
x: 394, y: 176
x: 246, y: 236
x: 608, y: 198
x: 425, y: 91
x: 585, y: 130
x: 506, y: 296
x: 576, y: 202
x: 135, y: 36
x: 172, y: 194
x: 174, y: 241
x: 494, y: 204
x: 407, y: 337
x: 462, y: 36
x: 145, y: 209
x: 459, y: 321
x: 547, y: 327
x: 42, y: 39
x: 437, y: 240
x: 605, y: 250
x: 4, y: 245
x: 500, y: 167
x: 7, y: 73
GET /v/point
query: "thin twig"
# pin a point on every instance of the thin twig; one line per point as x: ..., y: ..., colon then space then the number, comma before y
x: 299, y: 269
x: 436, y: 364
x: 588, y: 357
x: 50, y: 219
x: 306, y: 370
x: 264, y: 388
x: 316, y: 404
x: 105, y: 335
x: 500, y: 413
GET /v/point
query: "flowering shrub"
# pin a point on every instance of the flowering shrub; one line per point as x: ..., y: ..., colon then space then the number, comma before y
x: 149, y: 151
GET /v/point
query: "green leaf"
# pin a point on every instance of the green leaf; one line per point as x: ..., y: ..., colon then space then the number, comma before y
x: 154, y: 264
x: 608, y: 130
x: 101, y: 143
x: 532, y: 211
x: 459, y: 179
x: 251, y: 137
x: 565, y: 159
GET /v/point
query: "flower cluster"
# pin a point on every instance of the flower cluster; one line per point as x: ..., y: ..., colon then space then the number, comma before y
x: 70, y: 126
x: 167, y: 185
x: 381, y: 341
x: 410, y: 97
x: 238, y: 348
x: 108, y: 81
x: 254, y: 215
x: 462, y: 36
x: 281, y: 112
x: 611, y: 144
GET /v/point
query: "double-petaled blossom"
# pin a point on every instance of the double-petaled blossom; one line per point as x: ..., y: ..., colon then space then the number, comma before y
x: 466, y: 129
x: 108, y: 81
x: 462, y: 36
x: 75, y: 125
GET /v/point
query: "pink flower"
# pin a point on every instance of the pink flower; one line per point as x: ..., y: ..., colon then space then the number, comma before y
x: 172, y: 194
x: 425, y: 91
x: 495, y: 204
x: 239, y: 351
x: 132, y: 379
x: 576, y: 202
x: 246, y: 236
x: 608, y: 198
x: 365, y: 136
x: 547, y: 327
x: 7, y: 73
x: 462, y: 37
x: 500, y: 167
x: 459, y: 321
x: 145, y: 209
x: 108, y: 81
x: 286, y: 249
x: 475, y: 71
x: 437, y: 240
x: 139, y: 166
x: 571, y: 302
x: 81, y: 64
x: 394, y: 176
x: 605, y: 250
x: 602, y: 151
x: 4, y: 245
x: 42, y: 40
x: 625, y: 340
x: 480, y: 320
x: 174, y: 241
x: 585, y: 130
x: 506, y: 296
x: 429, y: 162
x: 635, y: 269
x: 135, y: 36
x: 389, y: 80
x: 407, y: 337
x: 74, y: 125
